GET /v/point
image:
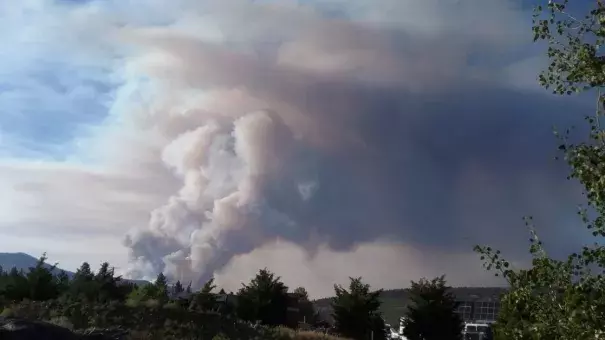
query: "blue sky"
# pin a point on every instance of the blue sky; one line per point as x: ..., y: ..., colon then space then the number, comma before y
x: 48, y: 94
x: 418, y: 123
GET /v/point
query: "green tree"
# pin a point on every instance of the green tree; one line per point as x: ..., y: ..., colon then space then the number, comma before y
x: 178, y: 288
x: 564, y: 299
x: 15, y: 286
x: 83, y: 284
x: 157, y: 291
x: 108, y: 285
x: 553, y: 299
x: 432, y: 312
x: 356, y: 311
x: 205, y: 299
x: 125, y: 288
x: 161, y: 288
x: 38, y: 284
x: 62, y: 282
x: 142, y: 293
x: 301, y: 293
x: 264, y: 299
x: 307, y: 312
x: 41, y: 282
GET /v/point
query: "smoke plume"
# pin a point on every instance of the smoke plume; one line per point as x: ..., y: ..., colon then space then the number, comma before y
x: 256, y: 103
x: 335, y: 137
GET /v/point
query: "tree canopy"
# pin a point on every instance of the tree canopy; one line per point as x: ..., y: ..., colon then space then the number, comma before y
x: 432, y: 312
x: 264, y: 299
x: 564, y: 298
x: 204, y: 299
x: 356, y: 311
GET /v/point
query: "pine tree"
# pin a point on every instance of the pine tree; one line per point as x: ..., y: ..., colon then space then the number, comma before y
x: 84, y: 271
x: 63, y: 282
x: 161, y: 288
x: 16, y: 286
x: 264, y: 299
x: 356, y: 311
x: 307, y: 312
x: 82, y: 285
x: 106, y: 284
x: 41, y: 281
x: 205, y: 299
x: 301, y: 293
x: 208, y: 286
x: 432, y: 313
x: 178, y: 288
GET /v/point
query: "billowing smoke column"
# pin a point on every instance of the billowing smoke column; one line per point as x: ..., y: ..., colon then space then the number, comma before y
x: 225, y: 134
x: 281, y: 121
x: 238, y: 127
x: 221, y: 210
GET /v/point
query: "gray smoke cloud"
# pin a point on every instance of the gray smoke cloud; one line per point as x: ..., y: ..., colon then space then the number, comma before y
x: 294, y: 122
x: 322, y: 139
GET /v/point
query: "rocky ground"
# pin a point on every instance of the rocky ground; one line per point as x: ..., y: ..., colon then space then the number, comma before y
x: 22, y: 329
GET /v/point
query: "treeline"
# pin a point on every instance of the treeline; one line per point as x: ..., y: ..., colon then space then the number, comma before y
x: 102, y: 299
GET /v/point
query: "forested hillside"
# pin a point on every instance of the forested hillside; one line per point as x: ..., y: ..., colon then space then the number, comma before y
x: 23, y: 261
x: 395, y: 301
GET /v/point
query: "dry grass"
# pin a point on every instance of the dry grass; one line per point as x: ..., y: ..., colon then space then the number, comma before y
x: 283, y: 333
x: 62, y: 321
x: 310, y: 335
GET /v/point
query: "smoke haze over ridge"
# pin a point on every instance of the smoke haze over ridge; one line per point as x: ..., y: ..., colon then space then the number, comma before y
x: 321, y: 139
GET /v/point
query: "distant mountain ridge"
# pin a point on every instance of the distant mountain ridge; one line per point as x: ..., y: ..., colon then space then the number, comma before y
x: 23, y: 261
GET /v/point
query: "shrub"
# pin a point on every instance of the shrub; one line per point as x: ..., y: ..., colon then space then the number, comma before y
x: 62, y: 321
x: 150, y: 323
x: 220, y: 336
x: 7, y: 312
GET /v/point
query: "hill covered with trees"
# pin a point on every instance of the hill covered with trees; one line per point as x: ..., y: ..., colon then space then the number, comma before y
x: 23, y: 261
x: 394, y: 302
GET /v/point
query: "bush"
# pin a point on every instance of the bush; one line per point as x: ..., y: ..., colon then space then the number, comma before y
x: 7, y: 312
x: 149, y: 323
x: 310, y: 335
x: 284, y: 333
x: 62, y: 321
x: 141, y: 320
x: 220, y: 336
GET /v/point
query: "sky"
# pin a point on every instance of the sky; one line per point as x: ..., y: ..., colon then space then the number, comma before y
x: 321, y: 139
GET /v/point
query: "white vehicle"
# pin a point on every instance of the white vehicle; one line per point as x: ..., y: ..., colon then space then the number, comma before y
x: 401, y: 323
x: 391, y: 333
x: 400, y: 332
x: 477, y: 331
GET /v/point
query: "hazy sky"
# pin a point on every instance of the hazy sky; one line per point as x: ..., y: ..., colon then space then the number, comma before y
x: 320, y: 138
